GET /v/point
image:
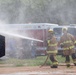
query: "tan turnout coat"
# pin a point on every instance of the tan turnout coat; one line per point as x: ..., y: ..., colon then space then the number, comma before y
x: 68, y: 41
x: 52, y: 45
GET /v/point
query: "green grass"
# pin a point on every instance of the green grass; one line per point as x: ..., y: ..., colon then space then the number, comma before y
x: 31, y: 62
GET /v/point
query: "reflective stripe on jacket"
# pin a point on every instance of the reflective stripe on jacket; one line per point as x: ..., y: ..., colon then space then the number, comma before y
x: 55, y: 51
x: 68, y: 48
x: 55, y: 44
x: 66, y: 42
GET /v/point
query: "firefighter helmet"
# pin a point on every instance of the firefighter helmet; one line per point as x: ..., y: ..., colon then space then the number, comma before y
x: 64, y: 29
x: 50, y: 30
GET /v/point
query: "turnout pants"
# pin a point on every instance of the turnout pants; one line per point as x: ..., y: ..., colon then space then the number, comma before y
x: 68, y: 59
x: 53, y: 60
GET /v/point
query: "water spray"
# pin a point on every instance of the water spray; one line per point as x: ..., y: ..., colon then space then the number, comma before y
x: 4, y: 33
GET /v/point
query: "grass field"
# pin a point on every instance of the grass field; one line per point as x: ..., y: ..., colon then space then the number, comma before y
x: 31, y: 62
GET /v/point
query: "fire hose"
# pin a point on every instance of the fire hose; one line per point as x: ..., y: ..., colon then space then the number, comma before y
x: 45, y: 61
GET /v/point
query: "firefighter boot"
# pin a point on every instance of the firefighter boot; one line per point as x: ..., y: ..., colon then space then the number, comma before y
x: 68, y: 65
x: 74, y: 58
x: 54, y: 66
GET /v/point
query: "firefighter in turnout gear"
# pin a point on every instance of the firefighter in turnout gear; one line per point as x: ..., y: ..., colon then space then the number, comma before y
x: 67, y: 42
x: 52, y: 48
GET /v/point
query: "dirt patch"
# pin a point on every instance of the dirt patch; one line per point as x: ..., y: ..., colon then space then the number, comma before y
x: 36, y: 70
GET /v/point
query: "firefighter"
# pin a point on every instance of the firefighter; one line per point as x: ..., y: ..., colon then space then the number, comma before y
x: 52, y: 48
x: 67, y: 42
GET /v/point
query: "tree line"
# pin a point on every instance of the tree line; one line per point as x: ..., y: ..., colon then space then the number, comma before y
x: 38, y: 11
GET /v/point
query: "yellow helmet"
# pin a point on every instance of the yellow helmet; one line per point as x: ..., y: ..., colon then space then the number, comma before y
x: 64, y: 29
x: 50, y: 30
